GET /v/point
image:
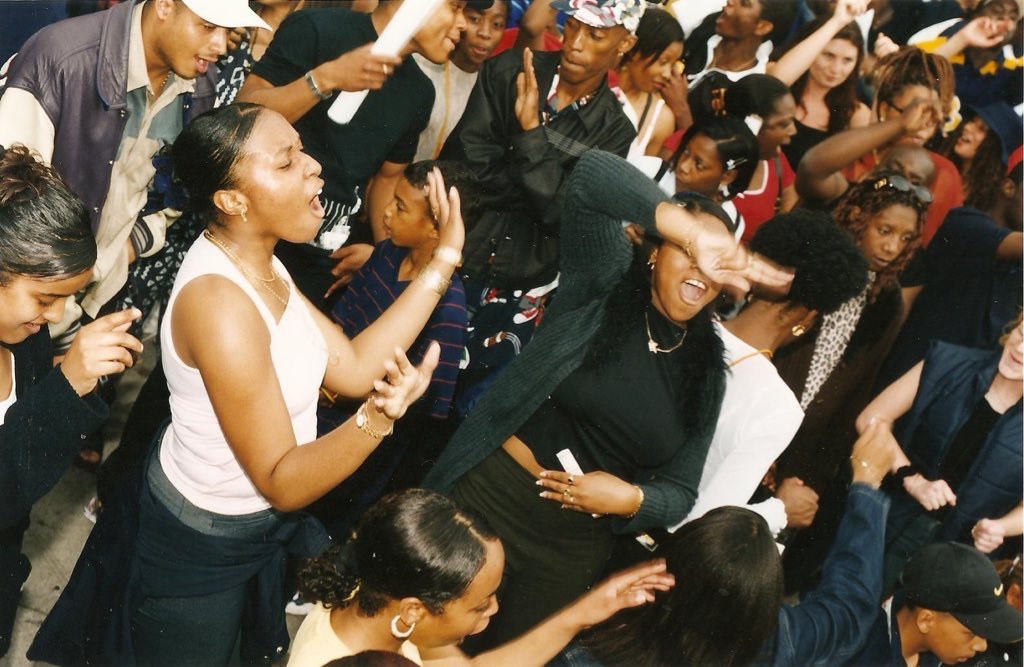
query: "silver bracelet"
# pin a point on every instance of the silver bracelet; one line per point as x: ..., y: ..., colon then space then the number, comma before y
x: 315, y: 89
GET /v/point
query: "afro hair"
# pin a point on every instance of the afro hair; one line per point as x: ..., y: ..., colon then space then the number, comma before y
x: 829, y: 269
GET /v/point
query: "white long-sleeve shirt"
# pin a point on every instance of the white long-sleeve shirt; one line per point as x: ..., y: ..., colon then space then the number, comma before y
x: 759, y: 417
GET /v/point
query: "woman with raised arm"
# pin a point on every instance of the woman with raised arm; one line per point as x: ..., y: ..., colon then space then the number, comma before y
x: 821, y: 64
x: 245, y: 356
x: 624, y: 380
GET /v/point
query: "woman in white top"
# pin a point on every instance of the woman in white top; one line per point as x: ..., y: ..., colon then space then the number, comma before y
x: 245, y: 356
x: 645, y: 70
x: 760, y: 414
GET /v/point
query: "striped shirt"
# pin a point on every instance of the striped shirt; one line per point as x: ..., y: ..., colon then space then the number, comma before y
x: 375, y: 287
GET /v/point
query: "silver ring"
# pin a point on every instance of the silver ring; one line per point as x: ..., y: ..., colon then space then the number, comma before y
x: 385, y: 68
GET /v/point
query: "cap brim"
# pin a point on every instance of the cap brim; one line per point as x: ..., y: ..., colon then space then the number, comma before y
x: 1004, y: 625
x: 587, y: 18
x: 227, y: 15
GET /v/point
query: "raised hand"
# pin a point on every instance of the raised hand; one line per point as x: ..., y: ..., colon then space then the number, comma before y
x: 356, y: 70
x: 102, y: 347
x: 884, y: 46
x: 920, y: 115
x: 848, y: 10
x: 527, y: 95
x: 350, y: 259
x: 447, y: 210
x: 405, y: 383
x: 625, y: 589
x: 984, y: 33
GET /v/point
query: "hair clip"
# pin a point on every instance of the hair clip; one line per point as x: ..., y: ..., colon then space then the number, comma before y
x: 732, y: 163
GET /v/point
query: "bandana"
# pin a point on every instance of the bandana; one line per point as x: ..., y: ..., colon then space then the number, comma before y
x: 604, y: 13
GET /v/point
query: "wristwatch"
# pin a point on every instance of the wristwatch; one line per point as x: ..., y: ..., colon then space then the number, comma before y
x: 315, y: 88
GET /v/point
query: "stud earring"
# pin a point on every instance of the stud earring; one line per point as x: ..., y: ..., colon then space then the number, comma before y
x: 798, y: 331
x: 398, y: 634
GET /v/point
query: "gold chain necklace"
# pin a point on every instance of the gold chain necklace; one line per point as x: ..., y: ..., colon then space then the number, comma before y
x: 652, y: 346
x: 265, y: 282
x: 766, y: 352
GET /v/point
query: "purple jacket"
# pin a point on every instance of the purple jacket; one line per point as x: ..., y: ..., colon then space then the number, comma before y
x: 78, y: 71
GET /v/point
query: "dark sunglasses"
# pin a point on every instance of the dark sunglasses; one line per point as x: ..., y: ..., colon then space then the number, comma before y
x: 900, y: 183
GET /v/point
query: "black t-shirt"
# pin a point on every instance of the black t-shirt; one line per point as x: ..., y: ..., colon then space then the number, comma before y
x: 619, y: 417
x: 387, y: 125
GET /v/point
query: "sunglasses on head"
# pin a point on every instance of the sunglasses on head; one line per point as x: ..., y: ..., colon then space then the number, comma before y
x: 902, y: 184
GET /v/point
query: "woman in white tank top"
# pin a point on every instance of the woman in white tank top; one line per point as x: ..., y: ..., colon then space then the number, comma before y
x: 245, y: 355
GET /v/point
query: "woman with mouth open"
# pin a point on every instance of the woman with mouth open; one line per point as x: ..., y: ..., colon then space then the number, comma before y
x: 245, y: 357
x: 602, y: 424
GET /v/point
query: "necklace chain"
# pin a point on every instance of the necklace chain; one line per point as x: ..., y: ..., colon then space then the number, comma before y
x: 265, y: 282
x: 652, y: 346
x: 768, y: 354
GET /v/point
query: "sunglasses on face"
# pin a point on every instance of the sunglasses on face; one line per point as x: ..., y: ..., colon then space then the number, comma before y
x: 901, y: 183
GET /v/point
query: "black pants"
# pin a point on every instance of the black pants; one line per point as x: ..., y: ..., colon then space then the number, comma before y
x: 552, y: 556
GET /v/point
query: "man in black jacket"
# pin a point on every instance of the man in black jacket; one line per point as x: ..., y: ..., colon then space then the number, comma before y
x: 528, y: 120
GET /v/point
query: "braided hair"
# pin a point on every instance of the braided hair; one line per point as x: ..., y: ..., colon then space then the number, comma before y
x: 866, y: 199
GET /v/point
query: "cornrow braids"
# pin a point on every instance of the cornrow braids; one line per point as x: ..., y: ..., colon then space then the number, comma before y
x: 862, y: 202
x: 911, y: 66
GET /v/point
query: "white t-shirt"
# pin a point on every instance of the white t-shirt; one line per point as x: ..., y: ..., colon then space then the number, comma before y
x: 759, y: 417
x: 452, y: 87
x: 6, y: 404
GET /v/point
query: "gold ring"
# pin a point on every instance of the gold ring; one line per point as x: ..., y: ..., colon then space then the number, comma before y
x: 570, y: 480
x: 565, y: 494
x: 385, y: 68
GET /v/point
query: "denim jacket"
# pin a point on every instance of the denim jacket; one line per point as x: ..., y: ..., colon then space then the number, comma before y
x: 953, y: 381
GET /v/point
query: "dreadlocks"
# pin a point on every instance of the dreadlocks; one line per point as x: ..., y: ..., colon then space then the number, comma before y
x: 911, y: 66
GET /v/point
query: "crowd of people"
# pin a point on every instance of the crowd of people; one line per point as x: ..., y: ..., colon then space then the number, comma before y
x: 601, y: 332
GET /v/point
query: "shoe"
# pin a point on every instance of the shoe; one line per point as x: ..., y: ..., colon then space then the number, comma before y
x: 297, y: 606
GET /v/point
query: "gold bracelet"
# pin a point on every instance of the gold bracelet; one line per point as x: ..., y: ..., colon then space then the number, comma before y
x: 363, y: 423
x: 448, y: 255
x: 432, y: 279
x: 639, y: 504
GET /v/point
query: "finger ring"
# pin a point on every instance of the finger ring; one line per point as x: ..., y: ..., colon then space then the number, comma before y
x: 385, y: 68
x: 571, y: 479
x: 566, y: 496
x: 571, y: 500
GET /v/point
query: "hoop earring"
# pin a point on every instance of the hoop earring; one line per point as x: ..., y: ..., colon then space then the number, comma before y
x: 398, y: 634
x: 798, y: 331
x: 244, y: 219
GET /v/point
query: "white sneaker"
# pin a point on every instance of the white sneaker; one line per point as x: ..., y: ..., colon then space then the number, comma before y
x: 297, y: 606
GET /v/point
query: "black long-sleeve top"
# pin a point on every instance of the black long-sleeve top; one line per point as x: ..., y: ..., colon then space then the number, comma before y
x: 43, y: 429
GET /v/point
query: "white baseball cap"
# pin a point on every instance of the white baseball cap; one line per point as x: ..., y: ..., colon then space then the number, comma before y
x: 227, y: 13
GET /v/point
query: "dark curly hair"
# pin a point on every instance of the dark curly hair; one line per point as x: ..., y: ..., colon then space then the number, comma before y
x: 910, y: 66
x: 412, y: 543
x: 44, y: 227
x: 829, y: 269
x: 862, y: 202
x: 455, y: 174
x: 721, y: 612
x: 980, y: 188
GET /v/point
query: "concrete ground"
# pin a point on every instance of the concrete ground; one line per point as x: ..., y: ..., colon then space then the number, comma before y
x: 59, y: 527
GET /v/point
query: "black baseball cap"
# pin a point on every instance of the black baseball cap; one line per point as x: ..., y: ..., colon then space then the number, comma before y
x: 961, y: 581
